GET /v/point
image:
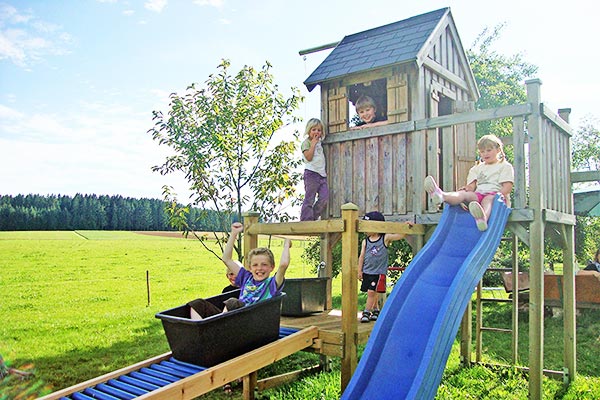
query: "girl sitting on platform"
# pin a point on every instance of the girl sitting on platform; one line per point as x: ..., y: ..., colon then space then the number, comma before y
x: 492, y: 175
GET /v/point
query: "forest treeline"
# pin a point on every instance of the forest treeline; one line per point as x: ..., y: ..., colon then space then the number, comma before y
x: 92, y: 212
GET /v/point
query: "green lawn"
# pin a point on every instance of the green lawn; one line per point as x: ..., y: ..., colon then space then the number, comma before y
x: 75, y: 306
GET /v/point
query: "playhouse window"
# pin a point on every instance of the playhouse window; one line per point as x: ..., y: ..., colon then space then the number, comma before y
x: 376, y: 90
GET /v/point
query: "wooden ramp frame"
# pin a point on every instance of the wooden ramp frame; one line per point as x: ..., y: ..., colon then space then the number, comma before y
x: 244, y: 366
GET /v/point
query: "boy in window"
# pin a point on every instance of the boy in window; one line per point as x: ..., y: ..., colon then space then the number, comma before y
x: 367, y: 112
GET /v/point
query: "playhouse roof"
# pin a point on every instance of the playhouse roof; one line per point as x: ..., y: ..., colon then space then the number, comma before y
x: 398, y: 42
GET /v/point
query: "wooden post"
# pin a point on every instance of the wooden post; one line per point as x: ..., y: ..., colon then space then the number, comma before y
x: 466, y: 336
x: 249, y: 385
x: 536, y: 241
x: 250, y: 241
x: 515, y: 302
x: 349, y: 292
x: 327, y: 242
x: 569, y: 319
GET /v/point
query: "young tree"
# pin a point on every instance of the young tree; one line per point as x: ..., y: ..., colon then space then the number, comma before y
x: 223, y: 138
x: 499, y: 79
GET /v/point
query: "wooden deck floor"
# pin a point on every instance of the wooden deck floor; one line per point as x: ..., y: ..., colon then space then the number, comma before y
x: 331, y: 336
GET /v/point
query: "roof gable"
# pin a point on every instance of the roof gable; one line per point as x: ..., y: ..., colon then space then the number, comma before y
x: 394, y: 43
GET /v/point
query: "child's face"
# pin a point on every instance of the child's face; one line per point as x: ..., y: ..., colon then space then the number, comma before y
x: 231, y: 277
x: 489, y: 155
x: 261, y: 267
x: 367, y: 114
x: 315, y: 132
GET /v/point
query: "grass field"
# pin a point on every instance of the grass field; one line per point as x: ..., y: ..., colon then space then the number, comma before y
x: 75, y: 306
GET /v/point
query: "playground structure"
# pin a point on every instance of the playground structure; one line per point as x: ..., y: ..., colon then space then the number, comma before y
x: 429, y: 97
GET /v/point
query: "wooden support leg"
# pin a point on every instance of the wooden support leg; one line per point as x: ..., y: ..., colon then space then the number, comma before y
x: 249, y: 385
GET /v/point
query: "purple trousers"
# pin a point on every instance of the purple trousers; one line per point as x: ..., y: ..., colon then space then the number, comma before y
x: 315, y: 186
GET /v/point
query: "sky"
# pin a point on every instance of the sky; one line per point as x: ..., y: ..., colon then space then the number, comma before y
x: 79, y: 79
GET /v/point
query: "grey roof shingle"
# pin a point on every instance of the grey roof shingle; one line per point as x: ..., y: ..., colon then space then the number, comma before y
x: 378, y: 47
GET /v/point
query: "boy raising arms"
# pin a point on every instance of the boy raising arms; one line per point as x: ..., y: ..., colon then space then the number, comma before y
x: 256, y: 284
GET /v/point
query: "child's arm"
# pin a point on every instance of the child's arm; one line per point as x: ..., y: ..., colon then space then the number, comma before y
x: 233, y: 265
x: 470, y: 187
x: 392, y: 237
x: 310, y: 152
x: 506, y: 188
x: 283, y: 263
x: 361, y: 259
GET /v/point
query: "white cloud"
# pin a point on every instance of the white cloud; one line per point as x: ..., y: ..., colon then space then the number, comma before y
x: 225, y: 21
x: 212, y: 3
x: 155, y: 5
x: 25, y: 40
x: 128, y: 12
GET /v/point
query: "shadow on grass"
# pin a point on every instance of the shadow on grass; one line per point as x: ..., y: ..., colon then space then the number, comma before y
x: 76, y: 366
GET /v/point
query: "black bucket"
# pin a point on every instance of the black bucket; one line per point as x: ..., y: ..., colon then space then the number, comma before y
x: 218, y: 338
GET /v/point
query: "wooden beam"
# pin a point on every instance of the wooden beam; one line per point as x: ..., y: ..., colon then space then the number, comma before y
x: 100, y: 379
x: 349, y: 293
x: 297, y: 228
x: 474, y: 116
x: 558, y: 217
x: 446, y: 73
x: 585, y: 176
x: 556, y: 120
x: 389, y: 227
x: 217, y: 376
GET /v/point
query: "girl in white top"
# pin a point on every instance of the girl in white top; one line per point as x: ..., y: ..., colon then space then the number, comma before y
x: 492, y: 175
x: 315, y: 176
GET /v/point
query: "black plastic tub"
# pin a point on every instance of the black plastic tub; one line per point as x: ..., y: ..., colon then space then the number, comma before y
x: 304, y: 296
x: 218, y: 338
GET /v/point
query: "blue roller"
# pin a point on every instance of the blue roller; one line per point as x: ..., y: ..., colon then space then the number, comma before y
x: 158, y: 374
x: 409, y: 346
x: 127, y: 387
x: 149, y: 378
x: 113, y: 391
x: 138, y: 383
x: 98, y: 394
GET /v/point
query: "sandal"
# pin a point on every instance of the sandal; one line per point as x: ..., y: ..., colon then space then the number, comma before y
x: 434, y: 190
x: 477, y: 212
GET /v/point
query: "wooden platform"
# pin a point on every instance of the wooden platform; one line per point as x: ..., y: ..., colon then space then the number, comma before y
x: 329, y: 324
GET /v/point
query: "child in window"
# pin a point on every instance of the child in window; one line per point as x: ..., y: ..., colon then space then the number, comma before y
x: 315, y: 176
x: 492, y: 175
x: 367, y: 111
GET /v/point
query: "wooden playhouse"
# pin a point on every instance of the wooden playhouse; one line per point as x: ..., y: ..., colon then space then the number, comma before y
x: 414, y: 69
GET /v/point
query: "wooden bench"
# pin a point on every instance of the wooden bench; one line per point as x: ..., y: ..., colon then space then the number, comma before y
x: 587, y: 288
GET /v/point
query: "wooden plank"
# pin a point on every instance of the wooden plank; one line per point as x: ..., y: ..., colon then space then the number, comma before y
x: 347, y: 172
x: 520, y: 186
x: 335, y: 189
x: 585, y: 176
x: 371, y: 175
x: 399, y: 183
x: 217, y: 376
x: 441, y: 70
x: 298, y: 228
x: 111, y: 375
x: 558, y: 217
x: 474, y: 116
x: 359, y: 174
x: 564, y: 127
x: 350, y: 289
x: 389, y: 227
x: 386, y: 175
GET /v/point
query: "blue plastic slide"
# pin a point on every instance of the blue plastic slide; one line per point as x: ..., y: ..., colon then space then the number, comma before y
x: 410, y: 343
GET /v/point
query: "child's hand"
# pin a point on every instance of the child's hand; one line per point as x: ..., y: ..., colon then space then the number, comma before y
x: 360, y: 275
x: 409, y: 223
x: 237, y: 227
